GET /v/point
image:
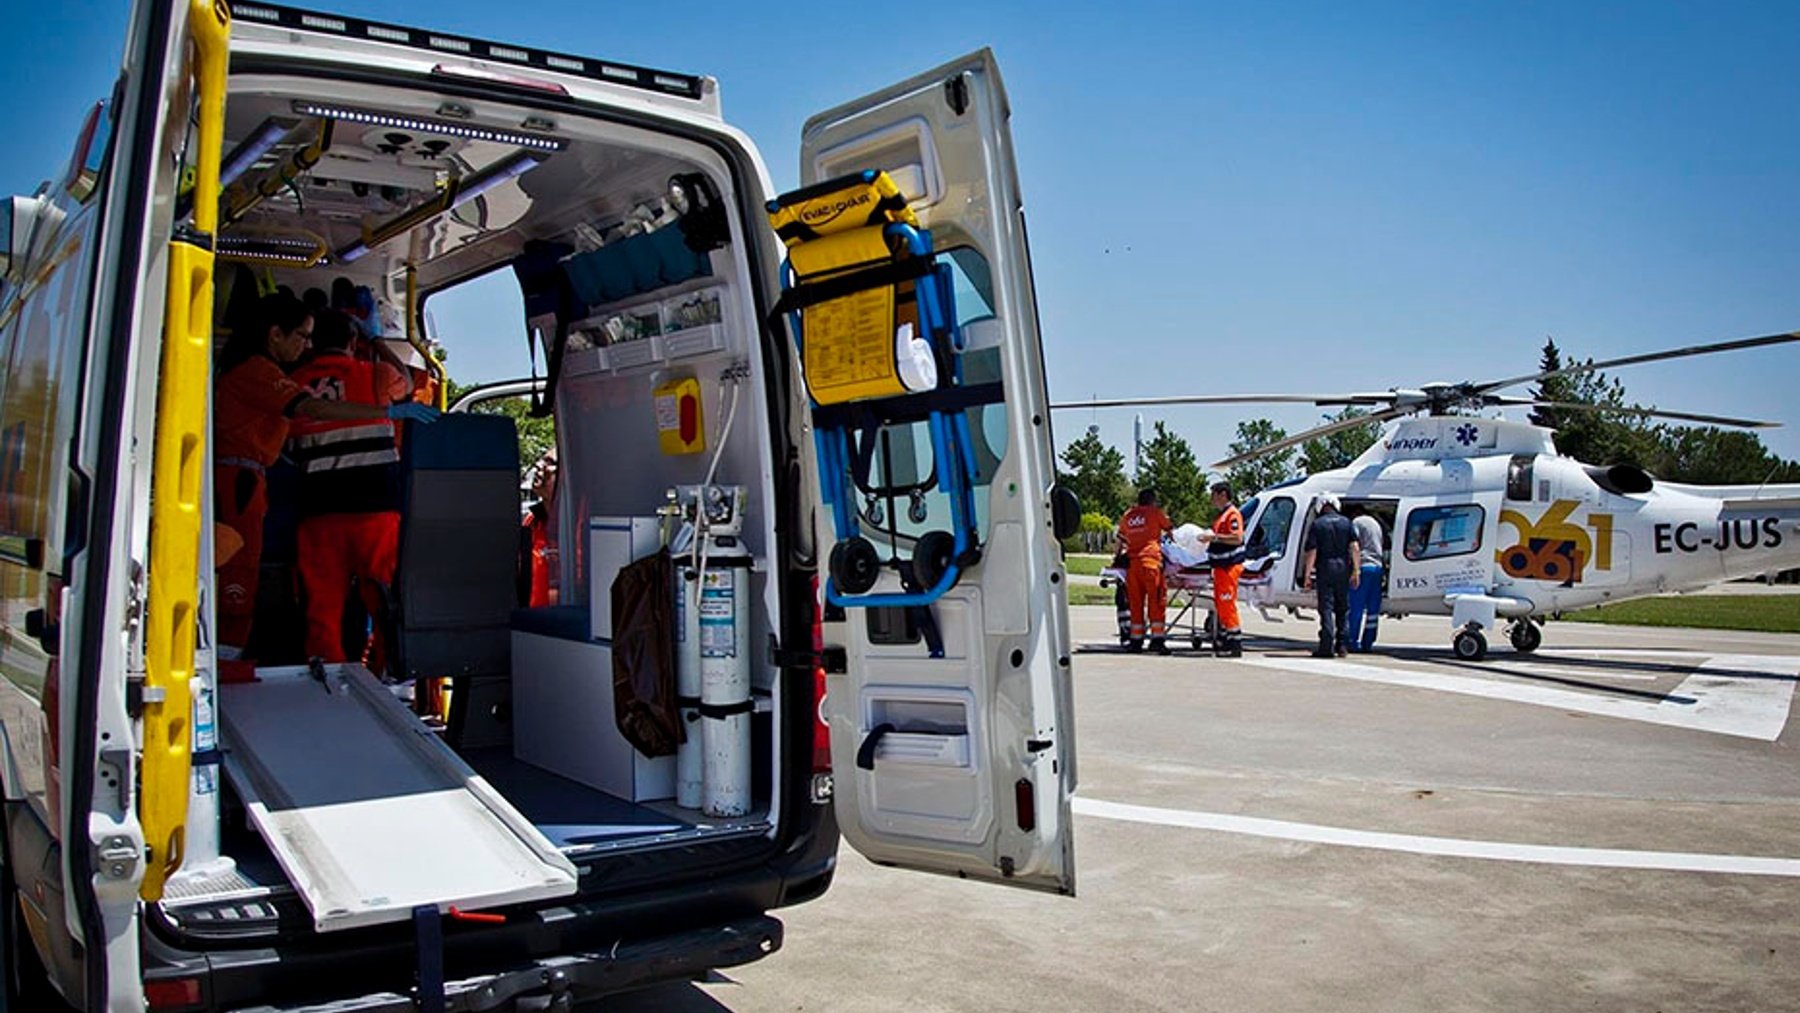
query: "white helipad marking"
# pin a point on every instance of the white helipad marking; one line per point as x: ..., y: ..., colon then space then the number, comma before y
x: 1451, y: 847
x: 1753, y: 706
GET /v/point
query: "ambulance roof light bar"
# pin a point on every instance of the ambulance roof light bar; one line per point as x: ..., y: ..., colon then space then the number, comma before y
x: 400, y: 121
x: 666, y: 82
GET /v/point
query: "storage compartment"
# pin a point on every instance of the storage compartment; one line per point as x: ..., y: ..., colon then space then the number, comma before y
x: 563, y: 719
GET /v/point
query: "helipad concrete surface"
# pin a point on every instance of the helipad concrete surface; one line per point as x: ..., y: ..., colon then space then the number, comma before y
x: 1610, y: 824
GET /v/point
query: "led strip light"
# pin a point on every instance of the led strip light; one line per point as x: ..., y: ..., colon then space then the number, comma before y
x: 350, y: 114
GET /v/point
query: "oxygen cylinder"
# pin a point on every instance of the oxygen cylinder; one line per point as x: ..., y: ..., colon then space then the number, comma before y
x: 689, y: 779
x: 725, y: 704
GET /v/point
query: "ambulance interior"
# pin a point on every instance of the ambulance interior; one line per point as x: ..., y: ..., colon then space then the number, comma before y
x: 638, y: 292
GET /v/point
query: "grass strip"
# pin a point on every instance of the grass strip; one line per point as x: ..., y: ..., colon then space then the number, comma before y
x: 1760, y: 613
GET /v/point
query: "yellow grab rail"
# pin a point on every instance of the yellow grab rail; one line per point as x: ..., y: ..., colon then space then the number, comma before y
x: 176, y: 508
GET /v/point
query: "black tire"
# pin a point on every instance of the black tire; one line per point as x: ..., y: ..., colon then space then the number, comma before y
x: 933, y: 555
x: 856, y: 565
x: 1525, y: 636
x: 1469, y: 645
x: 1200, y: 644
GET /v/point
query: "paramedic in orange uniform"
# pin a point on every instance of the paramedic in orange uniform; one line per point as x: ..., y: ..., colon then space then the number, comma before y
x: 349, y: 478
x: 1142, y: 529
x: 538, y: 555
x: 1225, y: 554
x: 254, y: 403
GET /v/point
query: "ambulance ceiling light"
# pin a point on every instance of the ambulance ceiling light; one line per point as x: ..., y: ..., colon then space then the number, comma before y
x: 509, y: 168
x: 253, y: 149
x: 349, y: 114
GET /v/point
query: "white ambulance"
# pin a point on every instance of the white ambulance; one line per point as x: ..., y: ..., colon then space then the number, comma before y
x: 884, y: 581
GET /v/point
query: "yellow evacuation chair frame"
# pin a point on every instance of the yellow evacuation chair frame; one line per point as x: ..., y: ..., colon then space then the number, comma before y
x: 177, y: 509
x: 839, y: 227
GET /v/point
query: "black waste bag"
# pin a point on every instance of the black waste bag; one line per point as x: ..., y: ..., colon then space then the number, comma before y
x: 643, y: 655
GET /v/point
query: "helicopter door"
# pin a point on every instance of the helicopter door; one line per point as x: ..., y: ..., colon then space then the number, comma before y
x: 1443, y: 544
x: 951, y: 730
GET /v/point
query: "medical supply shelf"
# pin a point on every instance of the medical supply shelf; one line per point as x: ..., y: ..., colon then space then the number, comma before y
x: 638, y: 354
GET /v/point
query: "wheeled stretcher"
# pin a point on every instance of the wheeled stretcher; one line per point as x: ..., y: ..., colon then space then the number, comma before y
x: 1189, y: 589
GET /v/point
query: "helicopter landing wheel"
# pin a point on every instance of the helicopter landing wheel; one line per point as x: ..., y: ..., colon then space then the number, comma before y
x: 1525, y: 636
x: 1469, y: 645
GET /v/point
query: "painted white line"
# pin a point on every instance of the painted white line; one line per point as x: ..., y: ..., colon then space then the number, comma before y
x: 1746, y: 707
x: 1720, y: 693
x: 1449, y: 847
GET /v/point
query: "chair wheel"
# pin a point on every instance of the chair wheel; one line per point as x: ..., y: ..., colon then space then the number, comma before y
x: 932, y: 557
x: 855, y: 565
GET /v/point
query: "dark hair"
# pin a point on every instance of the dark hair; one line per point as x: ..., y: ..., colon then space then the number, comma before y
x: 1146, y: 497
x: 316, y: 298
x: 279, y: 311
x: 1222, y: 487
x: 343, y: 293
x: 332, y: 331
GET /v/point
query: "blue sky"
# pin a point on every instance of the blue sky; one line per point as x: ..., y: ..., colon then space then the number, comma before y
x: 1260, y: 197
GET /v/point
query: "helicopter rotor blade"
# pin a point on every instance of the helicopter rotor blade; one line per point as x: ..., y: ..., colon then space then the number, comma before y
x: 1632, y: 360
x: 1375, y: 418
x: 1197, y: 399
x: 1716, y: 420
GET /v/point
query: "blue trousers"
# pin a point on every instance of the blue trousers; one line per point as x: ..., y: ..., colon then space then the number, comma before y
x: 1365, y: 610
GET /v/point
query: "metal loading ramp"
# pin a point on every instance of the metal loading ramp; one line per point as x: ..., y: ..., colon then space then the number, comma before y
x: 368, y: 812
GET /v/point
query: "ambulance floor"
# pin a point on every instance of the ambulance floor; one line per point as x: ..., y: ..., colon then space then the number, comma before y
x: 569, y: 813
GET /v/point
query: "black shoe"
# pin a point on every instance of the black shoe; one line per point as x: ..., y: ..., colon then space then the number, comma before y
x: 1231, y: 650
x: 1159, y: 646
x: 1340, y: 652
x: 1134, y: 647
x: 1322, y: 653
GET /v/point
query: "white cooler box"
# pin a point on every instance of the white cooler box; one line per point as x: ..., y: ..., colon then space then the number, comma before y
x: 563, y: 719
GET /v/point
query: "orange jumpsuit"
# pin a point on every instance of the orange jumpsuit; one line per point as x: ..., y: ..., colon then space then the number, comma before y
x: 1227, y: 563
x: 1142, y: 528
x: 254, y: 403
x: 349, y: 495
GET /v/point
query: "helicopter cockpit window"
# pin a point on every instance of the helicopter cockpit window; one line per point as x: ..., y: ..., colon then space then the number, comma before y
x: 1269, y: 537
x: 1437, y: 531
x: 1518, y: 477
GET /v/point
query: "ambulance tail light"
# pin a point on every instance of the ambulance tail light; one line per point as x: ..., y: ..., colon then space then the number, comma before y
x: 821, y: 731
x: 172, y: 995
x: 518, y: 81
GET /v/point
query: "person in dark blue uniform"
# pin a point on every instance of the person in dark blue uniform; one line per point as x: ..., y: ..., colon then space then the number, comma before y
x: 1331, y: 562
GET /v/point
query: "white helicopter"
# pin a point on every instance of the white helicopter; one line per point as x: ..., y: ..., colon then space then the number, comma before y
x: 1488, y: 522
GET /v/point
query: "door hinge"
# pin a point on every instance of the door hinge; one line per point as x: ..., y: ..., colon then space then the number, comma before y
x: 956, y: 93
x: 834, y: 660
x: 118, y: 857
x: 134, y: 601
x: 115, y: 767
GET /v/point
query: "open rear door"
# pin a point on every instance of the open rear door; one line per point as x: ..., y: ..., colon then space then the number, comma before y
x: 962, y: 763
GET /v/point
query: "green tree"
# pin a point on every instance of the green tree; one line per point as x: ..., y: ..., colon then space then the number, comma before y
x: 1096, y: 476
x: 536, y: 435
x: 1335, y: 450
x: 1169, y: 467
x: 1708, y: 455
x: 1258, y: 473
x: 1593, y: 434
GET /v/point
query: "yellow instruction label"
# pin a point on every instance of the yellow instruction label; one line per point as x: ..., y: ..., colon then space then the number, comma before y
x: 850, y: 347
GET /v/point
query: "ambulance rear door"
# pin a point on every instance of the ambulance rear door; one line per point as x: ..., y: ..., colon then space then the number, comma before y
x: 964, y: 763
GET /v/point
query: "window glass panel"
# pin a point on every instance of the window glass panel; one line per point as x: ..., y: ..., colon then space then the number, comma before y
x: 1270, y: 535
x: 1432, y: 532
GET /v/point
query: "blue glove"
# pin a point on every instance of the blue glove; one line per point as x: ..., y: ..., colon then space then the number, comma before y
x: 412, y: 410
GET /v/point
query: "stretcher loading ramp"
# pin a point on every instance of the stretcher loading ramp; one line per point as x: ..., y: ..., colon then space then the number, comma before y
x: 368, y: 813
